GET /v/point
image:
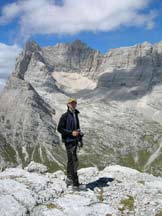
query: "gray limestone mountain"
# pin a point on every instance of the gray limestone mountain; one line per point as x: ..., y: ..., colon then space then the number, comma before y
x: 119, y: 95
x: 75, y: 57
x: 27, y: 128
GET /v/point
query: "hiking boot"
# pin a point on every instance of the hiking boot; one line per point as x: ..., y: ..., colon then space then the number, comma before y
x: 80, y: 187
x: 69, y: 182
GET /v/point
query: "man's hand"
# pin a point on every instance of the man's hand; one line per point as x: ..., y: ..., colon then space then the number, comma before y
x: 75, y: 133
x: 80, y: 144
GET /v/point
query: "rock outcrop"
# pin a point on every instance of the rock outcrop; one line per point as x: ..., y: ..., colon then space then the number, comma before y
x: 114, y: 191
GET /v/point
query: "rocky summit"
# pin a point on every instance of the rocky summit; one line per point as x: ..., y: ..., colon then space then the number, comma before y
x: 113, y: 191
x: 119, y: 97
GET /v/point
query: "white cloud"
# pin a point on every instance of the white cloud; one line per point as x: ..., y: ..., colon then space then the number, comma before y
x: 8, y: 56
x: 73, y: 16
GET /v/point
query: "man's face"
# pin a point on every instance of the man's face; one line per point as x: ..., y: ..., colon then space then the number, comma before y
x: 72, y: 105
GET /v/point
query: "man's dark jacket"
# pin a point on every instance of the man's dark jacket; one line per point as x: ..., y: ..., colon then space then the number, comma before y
x: 67, y: 124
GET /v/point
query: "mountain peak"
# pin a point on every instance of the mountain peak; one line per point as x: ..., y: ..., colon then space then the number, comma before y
x: 32, y: 46
x: 78, y: 43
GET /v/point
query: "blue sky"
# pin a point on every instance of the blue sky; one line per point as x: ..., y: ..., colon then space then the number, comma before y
x: 103, y: 24
x: 124, y: 36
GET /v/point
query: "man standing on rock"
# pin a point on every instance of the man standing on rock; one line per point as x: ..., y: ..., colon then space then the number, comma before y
x: 69, y: 128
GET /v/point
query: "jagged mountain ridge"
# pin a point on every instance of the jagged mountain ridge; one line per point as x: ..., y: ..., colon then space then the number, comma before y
x: 27, y: 130
x: 76, y: 57
x: 120, y: 104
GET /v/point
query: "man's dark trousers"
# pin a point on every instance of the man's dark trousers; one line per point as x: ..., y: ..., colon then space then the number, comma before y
x: 72, y: 164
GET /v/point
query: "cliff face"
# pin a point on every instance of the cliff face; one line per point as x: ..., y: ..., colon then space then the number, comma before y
x: 139, y: 65
x: 75, y: 57
x: 27, y: 128
x: 119, y: 96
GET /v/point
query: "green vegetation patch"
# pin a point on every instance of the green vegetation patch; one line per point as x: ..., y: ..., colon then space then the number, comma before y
x: 143, y: 156
x: 150, y: 139
x: 156, y: 166
x: 8, y: 153
x: 128, y: 204
x: 159, y: 213
x: 141, y: 182
x: 52, y: 205
x: 34, y: 155
x: 52, y: 165
x: 129, y: 161
x: 100, y: 195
